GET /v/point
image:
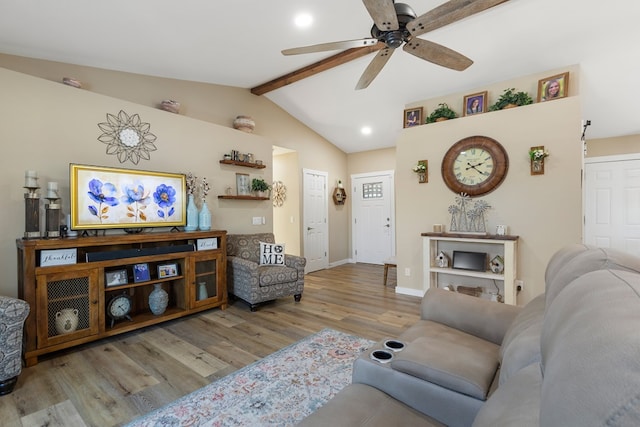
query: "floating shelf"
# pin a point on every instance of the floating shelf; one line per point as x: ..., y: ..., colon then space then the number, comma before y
x: 242, y: 197
x: 245, y: 164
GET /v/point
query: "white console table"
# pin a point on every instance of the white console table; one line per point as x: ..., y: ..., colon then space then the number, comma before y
x: 505, y: 246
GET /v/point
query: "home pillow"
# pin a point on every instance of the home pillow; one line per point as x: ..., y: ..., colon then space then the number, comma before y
x: 271, y: 253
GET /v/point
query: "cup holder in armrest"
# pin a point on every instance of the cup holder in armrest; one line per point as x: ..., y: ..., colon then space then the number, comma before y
x: 394, y: 345
x: 382, y: 356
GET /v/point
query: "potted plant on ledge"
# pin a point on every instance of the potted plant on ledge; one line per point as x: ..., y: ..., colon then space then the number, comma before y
x: 510, y: 98
x: 443, y: 112
x: 260, y: 187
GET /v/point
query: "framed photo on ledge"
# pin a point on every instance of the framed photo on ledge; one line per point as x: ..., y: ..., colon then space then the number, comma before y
x: 243, y: 184
x: 413, y: 117
x: 167, y: 270
x: 475, y: 103
x: 115, y: 277
x: 141, y: 273
x: 554, y: 87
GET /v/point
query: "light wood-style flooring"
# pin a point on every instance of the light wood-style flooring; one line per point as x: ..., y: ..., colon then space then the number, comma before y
x: 113, y: 381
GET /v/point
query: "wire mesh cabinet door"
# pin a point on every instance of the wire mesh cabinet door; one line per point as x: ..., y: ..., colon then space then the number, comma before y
x: 67, y: 306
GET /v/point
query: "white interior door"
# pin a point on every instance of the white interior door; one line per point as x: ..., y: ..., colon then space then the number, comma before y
x: 612, y: 203
x: 373, y: 217
x: 316, y: 211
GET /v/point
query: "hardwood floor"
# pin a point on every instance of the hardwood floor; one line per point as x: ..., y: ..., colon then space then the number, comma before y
x: 112, y: 381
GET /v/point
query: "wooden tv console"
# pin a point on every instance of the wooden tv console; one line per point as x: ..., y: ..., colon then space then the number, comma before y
x: 81, y: 287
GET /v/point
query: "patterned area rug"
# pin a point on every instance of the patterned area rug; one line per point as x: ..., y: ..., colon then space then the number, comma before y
x: 281, y: 389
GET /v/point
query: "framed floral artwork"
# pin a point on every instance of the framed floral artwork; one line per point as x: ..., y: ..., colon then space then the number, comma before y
x: 475, y: 103
x: 554, y: 87
x: 413, y: 117
x: 103, y: 197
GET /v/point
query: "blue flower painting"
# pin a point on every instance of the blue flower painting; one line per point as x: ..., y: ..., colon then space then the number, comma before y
x: 104, y: 194
x: 165, y: 197
x: 136, y: 198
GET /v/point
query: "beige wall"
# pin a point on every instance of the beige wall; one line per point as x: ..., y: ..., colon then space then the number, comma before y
x: 544, y: 210
x: 613, y: 146
x: 286, y: 218
x: 47, y: 125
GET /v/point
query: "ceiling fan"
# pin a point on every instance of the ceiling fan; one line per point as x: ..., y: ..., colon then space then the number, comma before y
x: 396, y: 24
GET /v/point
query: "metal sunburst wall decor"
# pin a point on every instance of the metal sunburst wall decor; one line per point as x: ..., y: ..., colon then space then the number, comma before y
x: 127, y: 137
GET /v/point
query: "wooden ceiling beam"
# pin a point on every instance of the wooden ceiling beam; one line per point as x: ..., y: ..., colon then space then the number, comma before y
x: 315, y: 68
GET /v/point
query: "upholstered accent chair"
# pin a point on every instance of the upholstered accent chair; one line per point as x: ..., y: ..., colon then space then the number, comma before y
x: 13, y: 313
x: 255, y: 283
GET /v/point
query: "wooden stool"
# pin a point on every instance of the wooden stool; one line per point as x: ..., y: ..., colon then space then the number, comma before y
x: 391, y: 262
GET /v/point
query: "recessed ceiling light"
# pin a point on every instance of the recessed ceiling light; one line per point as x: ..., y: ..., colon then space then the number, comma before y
x: 366, y: 130
x: 303, y: 20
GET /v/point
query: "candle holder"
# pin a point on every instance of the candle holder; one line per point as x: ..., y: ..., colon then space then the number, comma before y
x: 52, y: 219
x: 32, y: 213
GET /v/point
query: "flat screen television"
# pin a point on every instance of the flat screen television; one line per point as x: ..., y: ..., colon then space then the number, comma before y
x: 104, y: 197
x: 475, y: 261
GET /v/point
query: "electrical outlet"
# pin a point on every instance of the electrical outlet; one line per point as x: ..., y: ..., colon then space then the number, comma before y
x: 519, y: 285
x: 407, y: 272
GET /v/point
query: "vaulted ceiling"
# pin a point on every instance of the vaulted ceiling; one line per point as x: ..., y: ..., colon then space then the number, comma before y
x: 238, y: 43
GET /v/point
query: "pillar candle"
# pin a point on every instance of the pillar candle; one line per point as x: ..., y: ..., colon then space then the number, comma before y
x: 31, y: 179
x: 52, y: 190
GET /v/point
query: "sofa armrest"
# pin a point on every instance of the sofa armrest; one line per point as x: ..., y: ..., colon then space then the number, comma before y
x: 482, y: 318
x: 238, y: 262
x: 295, y: 261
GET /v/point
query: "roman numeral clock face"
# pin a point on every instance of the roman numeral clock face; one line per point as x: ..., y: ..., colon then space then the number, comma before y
x: 475, y: 165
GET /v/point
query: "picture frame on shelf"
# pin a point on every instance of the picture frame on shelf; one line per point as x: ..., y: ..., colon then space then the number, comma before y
x: 167, y: 270
x: 413, y: 117
x: 553, y: 87
x: 115, y: 277
x: 141, y: 273
x: 243, y: 184
x: 476, y: 103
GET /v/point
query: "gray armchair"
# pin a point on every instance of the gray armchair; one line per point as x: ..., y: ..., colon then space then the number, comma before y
x: 255, y: 283
x: 13, y: 313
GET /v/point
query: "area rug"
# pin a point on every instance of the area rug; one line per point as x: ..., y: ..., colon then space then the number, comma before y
x: 279, y: 390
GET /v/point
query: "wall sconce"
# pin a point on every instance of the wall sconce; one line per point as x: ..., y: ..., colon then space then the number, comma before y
x: 537, y: 155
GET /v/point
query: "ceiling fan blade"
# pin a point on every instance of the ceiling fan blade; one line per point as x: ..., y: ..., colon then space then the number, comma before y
x: 438, y: 54
x: 383, y: 13
x: 374, y: 68
x: 347, y: 44
x: 446, y: 13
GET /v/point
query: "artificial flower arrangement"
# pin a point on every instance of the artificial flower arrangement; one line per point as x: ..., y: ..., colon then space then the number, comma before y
x: 538, y: 154
x: 191, y: 183
x: 204, y: 189
x: 420, y: 168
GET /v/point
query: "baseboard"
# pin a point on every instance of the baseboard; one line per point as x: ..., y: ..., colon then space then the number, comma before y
x: 410, y: 291
x: 341, y: 262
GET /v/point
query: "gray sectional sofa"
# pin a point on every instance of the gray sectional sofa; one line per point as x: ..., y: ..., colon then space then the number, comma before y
x: 570, y: 357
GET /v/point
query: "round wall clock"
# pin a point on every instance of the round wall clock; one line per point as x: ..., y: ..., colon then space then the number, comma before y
x: 119, y: 308
x: 475, y: 165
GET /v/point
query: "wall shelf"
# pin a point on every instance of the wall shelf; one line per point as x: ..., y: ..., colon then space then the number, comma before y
x: 242, y: 197
x: 245, y: 164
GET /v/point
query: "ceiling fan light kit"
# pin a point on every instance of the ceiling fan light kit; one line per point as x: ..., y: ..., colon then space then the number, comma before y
x: 396, y: 24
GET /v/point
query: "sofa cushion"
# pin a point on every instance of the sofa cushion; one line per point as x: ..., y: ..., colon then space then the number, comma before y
x: 521, y: 344
x: 274, y: 274
x: 271, y: 253
x: 516, y: 402
x: 454, y: 360
x: 585, y: 262
x: 362, y: 405
x: 590, y: 352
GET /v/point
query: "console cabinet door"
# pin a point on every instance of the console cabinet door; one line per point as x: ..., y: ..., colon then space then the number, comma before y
x: 207, y: 279
x: 67, y: 306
